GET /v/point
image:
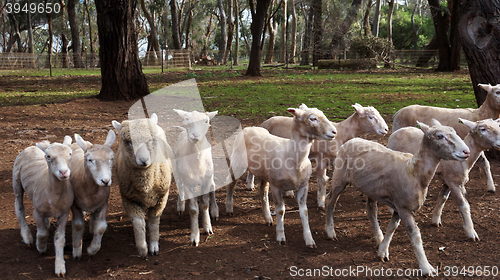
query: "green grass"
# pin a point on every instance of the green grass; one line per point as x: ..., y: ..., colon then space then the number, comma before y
x: 231, y: 93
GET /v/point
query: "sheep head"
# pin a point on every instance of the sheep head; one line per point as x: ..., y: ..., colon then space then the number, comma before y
x: 57, y: 156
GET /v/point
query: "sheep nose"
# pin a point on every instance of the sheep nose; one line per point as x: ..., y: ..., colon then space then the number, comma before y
x: 466, y: 153
x: 64, y: 173
x: 105, y: 182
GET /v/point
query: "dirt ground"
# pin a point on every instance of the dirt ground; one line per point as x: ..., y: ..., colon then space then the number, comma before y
x: 242, y: 247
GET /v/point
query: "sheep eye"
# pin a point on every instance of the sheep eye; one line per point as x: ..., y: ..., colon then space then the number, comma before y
x: 90, y: 160
x: 370, y: 117
x: 440, y: 137
x: 313, y: 119
x: 47, y: 157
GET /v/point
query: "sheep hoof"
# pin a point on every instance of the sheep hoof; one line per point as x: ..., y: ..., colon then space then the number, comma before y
x: 312, y: 246
x: 384, y: 259
x: 61, y: 274
x: 230, y: 214
x: 77, y: 258
x: 437, y: 224
x: 194, y: 243
x: 491, y: 191
x: 269, y: 224
x: 283, y: 242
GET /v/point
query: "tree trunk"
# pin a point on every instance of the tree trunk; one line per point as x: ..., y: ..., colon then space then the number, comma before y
x: 153, y: 33
x: 75, y: 34
x: 237, y: 33
x: 293, y: 32
x: 48, y: 61
x: 64, y: 51
x: 223, y: 33
x: 479, y: 27
x: 455, y: 45
x: 389, y: 20
x: 344, y: 27
x: 317, y: 30
x: 441, y: 24
x: 258, y: 17
x: 188, y: 29
x: 413, y: 27
x: 176, y: 36
x: 376, y: 18
x: 283, y: 34
x: 31, y: 44
x: 307, y: 38
x: 207, y: 37
x: 366, y: 18
x: 91, y: 42
x: 273, y: 28
x: 230, y: 30
x: 121, y: 73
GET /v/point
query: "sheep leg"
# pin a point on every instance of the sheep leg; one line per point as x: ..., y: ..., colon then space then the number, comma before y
x: 181, y: 205
x: 372, y: 211
x: 332, y: 199
x: 214, y: 208
x: 78, y: 227
x: 416, y: 239
x: 279, y: 205
x: 21, y: 213
x: 154, y: 233
x: 229, y: 198
x: 250, y: 181
x: 383, y: 247
x: 205, y: 218
x: 304, y: 216
x: 264, y: 198
x: 42, y: 232
x: 322, y: 181
x: 98, y: 220
x: 195, y: 229
x: 485, y: 165
x: 464, y: 209
x: 139, y: 225
x: 438, y: 209
x: 59, y: 241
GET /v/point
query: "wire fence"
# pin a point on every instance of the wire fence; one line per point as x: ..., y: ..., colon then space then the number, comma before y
x: 187, y: 59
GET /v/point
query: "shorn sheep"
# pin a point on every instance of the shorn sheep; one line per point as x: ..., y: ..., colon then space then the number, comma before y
x: 281, y: 163
x: 43, y: 172
x: 144, y: 172
x: 363, y: 120
x: 397, y: 179
x: 483, y: 135
x: 409, y: 115
x: 91, y: 166
x: 194, y: 171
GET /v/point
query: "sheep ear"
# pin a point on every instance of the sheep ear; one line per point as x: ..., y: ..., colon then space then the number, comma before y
x: 212, y: 114
x: 425, y: 128
x: 43, y: 145
x: 110, y: 139
x: 79, y: 140
x: 154, y: 118
x: 468, y: 123
x: 303, y: 107
x: 296, y: 112
x: 67, y: 140
x: 360, y: 110
x: 181, y: 113
x: 435, y: 122
x: 116, y: 125
x: 486, y: 87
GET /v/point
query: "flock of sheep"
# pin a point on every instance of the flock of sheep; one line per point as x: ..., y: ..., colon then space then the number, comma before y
x: 58, y: 177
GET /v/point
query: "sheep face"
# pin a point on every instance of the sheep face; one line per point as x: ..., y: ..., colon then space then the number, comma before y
x: 314, y: 125
x: 486, y: 133
x: 196, y: 124
x: 370, y: 120
x: 444, y: 141
x: 142, y: 142
x: 57, y: 156
x: 494, y: 93
x: 98, y: 159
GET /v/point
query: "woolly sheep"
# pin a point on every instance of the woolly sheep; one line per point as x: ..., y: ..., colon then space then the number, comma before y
x: 483, y: 135
x: 43, y: 172
x: 144, y: 172
x: 397, y: 179
x: 91, y: 166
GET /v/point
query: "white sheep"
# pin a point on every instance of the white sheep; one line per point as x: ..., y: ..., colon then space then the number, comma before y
x: 144, y: 172
x: 91, y: 166
x: 409, y: 115
x: 363, y: 120
x: 281, y: 163
x: 43, y: 172
x: 397, y: 179
x: 483, y: 135
x: 194, y: 171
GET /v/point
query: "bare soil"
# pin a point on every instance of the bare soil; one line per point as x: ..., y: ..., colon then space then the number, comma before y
x: 242, y: 247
